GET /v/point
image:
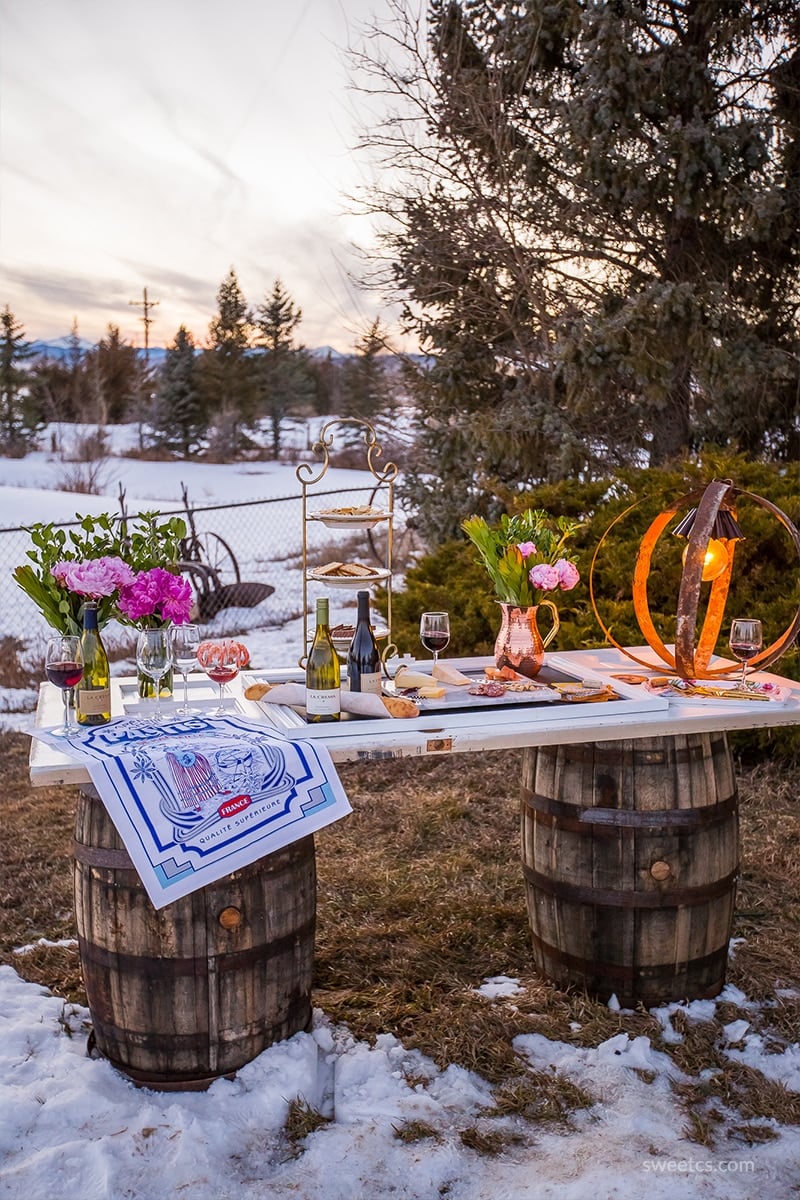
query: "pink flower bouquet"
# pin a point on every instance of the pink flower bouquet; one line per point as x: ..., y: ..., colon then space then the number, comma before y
x: 155, y: 597
x: 94, y: 578
x: 97, y: 558
x: 524, y: 555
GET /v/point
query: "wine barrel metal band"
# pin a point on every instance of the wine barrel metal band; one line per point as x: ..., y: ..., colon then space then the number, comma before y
x: 111, y: 859
x: 605, y: 897
x: 102, y: 856
x: 168, y: 1042
x: 172, y: 968
x: 576, y: 817
x: 591, y: 968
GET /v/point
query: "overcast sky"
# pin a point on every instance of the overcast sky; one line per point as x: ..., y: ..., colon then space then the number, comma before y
x: 157, y: 144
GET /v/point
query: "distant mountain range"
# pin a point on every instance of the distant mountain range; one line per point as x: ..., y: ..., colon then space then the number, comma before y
x: 60, y: 349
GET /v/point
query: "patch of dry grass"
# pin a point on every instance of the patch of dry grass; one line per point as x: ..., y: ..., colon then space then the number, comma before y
x: 17, y: 671
x: 420, y: 897
x: 36, y: 874
x: 416, y: 1131
x: 301, y: 1121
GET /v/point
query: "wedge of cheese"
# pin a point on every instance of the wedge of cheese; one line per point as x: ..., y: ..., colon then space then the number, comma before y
x: 431, y: 692
x: 406, y: 678
x: 445, y: 673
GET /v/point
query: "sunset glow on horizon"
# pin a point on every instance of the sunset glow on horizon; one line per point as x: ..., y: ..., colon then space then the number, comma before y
x: 157, y: 146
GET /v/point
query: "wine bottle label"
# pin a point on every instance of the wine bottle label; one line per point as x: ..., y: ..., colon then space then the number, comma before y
x: 94, y: 702
x: 371, y: 682
x: 323, y: 702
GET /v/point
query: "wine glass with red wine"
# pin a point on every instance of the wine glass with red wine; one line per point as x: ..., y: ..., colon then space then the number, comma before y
x: 434, y: 632
x: 220, y: 661
x: 63, y: 666
x: 745, y: 642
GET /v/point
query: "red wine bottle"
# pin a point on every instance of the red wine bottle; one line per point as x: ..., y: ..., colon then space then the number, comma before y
x: 363, y: 657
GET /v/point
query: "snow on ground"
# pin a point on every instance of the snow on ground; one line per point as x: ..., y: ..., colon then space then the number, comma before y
x: 64, y: 1116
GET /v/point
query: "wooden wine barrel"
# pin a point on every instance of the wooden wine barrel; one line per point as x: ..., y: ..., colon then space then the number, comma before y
x: 183, y: 994
x: 630, y: 859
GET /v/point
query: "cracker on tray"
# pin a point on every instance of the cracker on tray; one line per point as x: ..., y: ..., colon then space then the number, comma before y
x: 339, y: 570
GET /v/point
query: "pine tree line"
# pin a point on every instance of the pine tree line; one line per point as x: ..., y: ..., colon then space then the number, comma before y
x: 225, y: 398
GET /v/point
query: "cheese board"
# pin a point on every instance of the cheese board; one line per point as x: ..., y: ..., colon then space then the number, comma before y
x: 559, y: 694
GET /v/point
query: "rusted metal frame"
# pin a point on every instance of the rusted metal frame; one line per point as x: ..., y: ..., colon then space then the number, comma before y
x: 692, y: 578
x: 688, y: 661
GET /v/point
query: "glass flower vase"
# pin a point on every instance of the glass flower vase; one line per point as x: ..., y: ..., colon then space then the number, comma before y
x: 520, y: 644
x: 147, y: 687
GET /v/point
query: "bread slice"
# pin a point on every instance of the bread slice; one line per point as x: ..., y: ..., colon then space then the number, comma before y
x: 400, y: 706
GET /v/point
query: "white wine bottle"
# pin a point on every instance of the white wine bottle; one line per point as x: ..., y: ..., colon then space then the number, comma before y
x: 363, y: 657
x: 93, y: 694
x: 323, y: 673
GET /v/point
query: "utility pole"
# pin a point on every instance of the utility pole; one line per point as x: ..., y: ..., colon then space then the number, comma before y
x: 147, y: 320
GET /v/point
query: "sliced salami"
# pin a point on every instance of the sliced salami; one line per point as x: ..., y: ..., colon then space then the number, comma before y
x: 495, y: 690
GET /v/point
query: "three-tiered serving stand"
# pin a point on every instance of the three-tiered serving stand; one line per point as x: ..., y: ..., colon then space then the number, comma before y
x: 310, y: 476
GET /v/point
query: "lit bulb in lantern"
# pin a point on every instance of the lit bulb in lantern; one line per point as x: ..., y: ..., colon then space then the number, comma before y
x: 715, y: 560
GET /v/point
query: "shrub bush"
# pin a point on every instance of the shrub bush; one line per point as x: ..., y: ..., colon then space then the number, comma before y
x: 765, y: 584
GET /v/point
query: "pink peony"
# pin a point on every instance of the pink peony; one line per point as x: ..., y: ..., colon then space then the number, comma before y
x: 157, y: 593
x: 544, y: 577
x: 526, y: 549
x: 96, y: 577
x: 568, y: 574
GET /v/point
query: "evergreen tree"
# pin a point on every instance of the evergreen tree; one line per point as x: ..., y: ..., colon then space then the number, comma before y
x: 366, y: 390
x: 51, y: 384
x: 19, y: 421
x: 178, y: 417
x: 75, y: 358
x: 284, y: 379
x: 227, y: 378
x: 597, y: 232
x: 326, y: 377
x: 113, y: 379
x: 57, y: 385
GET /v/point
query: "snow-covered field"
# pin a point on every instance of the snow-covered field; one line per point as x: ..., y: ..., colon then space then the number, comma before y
x: 73, y: 1126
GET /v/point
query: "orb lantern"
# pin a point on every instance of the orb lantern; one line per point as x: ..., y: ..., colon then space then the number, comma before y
x: 712, y: 530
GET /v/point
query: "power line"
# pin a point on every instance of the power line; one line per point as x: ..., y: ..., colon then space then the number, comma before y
x: 146, y: 319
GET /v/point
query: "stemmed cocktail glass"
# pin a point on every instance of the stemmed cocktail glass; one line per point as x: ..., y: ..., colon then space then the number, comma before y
x: 745, y: 641
x: 153, y: 658
x: 63, y: 666
x: 184, y: 642
x: 434, y: 632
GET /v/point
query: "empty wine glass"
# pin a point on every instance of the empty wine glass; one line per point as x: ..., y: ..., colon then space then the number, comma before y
x: 745, y: 641
x: 153, y: 659
x: 184, y: 641
x: 63, y: 666
x: 220, y: 661
x: 434, y: 632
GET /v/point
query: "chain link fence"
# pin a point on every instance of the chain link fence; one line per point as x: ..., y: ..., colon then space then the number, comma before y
x: 261, y: 539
